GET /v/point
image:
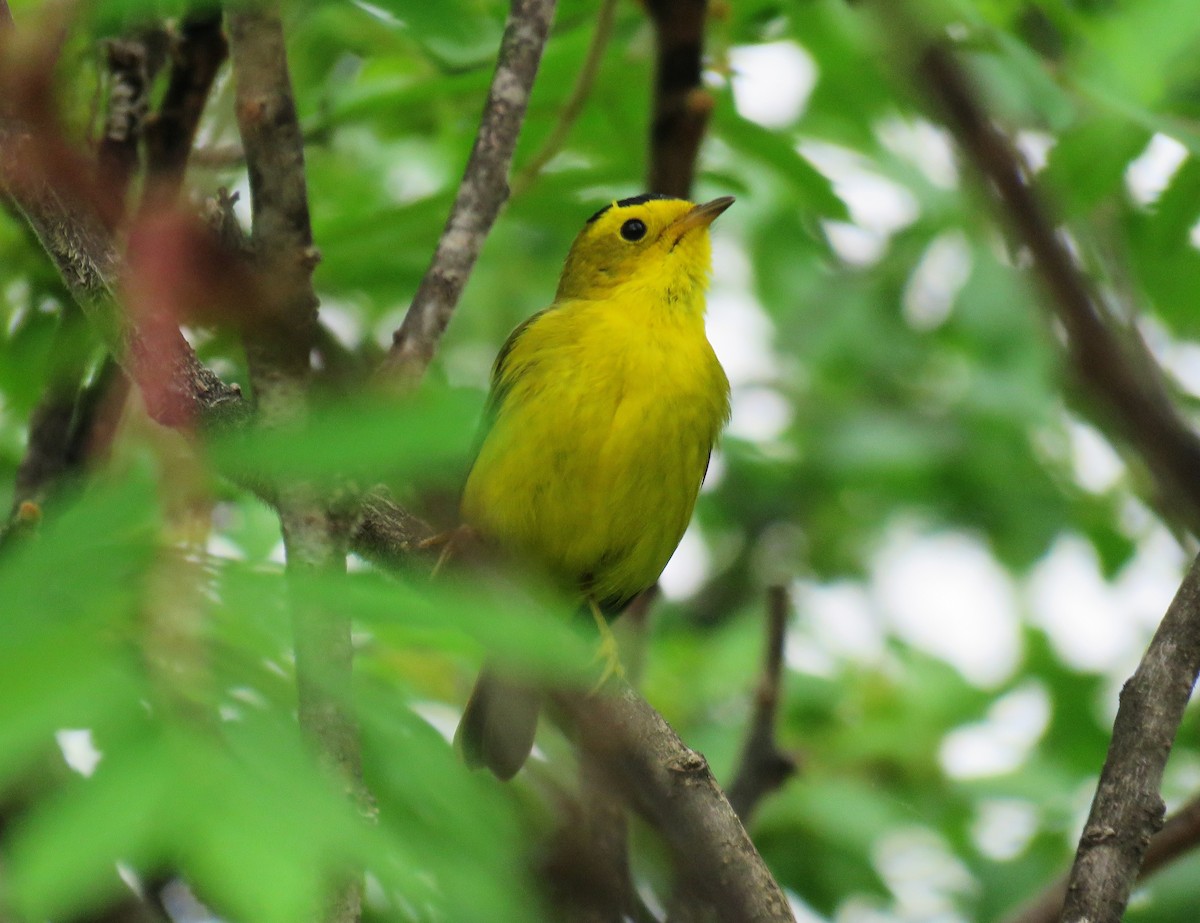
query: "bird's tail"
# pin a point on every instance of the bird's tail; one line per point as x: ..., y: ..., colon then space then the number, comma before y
x: 498, y: 724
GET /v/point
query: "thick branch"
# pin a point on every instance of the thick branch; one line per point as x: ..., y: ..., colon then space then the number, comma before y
x: 763, y: 767
x: 1134, y: 396
x: 481, y: 194
x: 672, y: 788
x: 1179, y: 836
x: 681, y: 105
x: 65, y: 217
x: 278, y: 341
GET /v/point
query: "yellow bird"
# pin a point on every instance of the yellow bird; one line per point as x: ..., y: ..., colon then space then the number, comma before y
x: 603, y: 413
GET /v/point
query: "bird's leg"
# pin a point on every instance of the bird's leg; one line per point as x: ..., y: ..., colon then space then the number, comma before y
x: 449, y: 543
x: 608, y: 651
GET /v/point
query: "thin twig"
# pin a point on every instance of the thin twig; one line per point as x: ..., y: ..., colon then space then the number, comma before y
x: 672, y: 787
x: 197, y: 56
x: 132, y: 61
x: 1128, y: 810
x: 681, y: 105
x: 481, y: 194
x: 1179, y: 836
x: 764, y: 767
x: 606, y: 17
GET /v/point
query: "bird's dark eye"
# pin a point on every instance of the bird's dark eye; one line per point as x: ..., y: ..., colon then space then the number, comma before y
x: 633, y: 229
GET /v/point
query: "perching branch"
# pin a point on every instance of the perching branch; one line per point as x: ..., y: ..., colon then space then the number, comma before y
x: 1179, y: 836
x: 672, y: 787
x: 763, y: 767
x: 481, y: 194
x: 681, y: 105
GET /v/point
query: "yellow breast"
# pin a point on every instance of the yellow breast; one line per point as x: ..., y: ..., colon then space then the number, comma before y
x: 604, y: 420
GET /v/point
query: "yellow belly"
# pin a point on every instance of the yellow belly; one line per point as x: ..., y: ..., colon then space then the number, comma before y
x: 598, y: 447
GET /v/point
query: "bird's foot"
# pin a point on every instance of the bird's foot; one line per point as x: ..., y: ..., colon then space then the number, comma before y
x: 449, y: 543
x: 608, y: 652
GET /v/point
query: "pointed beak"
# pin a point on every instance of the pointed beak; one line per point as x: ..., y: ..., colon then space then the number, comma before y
x: 700, y: 216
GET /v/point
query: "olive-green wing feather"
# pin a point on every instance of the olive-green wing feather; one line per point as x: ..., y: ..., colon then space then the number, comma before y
x: 499, y: 390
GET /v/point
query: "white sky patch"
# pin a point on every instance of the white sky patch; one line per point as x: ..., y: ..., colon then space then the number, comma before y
x: 876, y: 203
x: 1097, y: 465
x: 415, y: 174
x: 688, y: 567
x: 935, y: 283
x: 1148, y: 175
x: 731, y: 263
x: 1003, y: 740
x: 759, y: 414
x: 441, y: 717
x: 923, y: 144
x: 715, y: 473
x: 222, y: 546
x: 800, y: 910
x: 772, y: 82
x: 343, y: 321
x: 854, y: 245
x: 834, y: 620
x: 1148, y: 583
x: 1004, y: 827
x: 1095, y: 625
x: 78, y: 750
x: 741, y: 334
x: 1182, y: 360
x: 241, y: 205
x: 1035, y: 147
x: 945, y: 594
x: 922, y: 872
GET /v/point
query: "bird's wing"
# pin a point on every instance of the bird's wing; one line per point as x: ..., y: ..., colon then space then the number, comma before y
x: 499, y: 388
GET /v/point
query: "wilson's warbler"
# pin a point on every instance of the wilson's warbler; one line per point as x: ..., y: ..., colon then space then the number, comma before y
x: 603, y: 412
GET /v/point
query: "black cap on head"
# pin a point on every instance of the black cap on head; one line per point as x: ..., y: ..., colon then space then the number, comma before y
x: 632, y: 200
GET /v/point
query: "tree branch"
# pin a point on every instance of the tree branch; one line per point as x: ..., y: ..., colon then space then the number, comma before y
x: 681, y: 105
x: 40, y: 177
x: 763, y: 767
x: 197, y: 56
x: 132, y: 64
x: 672, y: 787
x: 278, y: 343
x: 584, y: 81
x: 481, y: 194
x: 1133, y: 394
x: 1127, y: 809
x: 1178, y: 837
